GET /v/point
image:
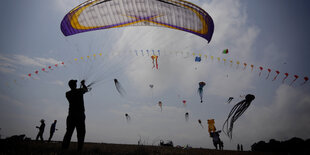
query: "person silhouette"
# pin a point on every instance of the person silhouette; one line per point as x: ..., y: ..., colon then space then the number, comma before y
x: 52, y: 130
x: 241, y: 147
x: 238, y: 147
x: 216, y: 139
x: 41, y: 130
x: 76, y: 116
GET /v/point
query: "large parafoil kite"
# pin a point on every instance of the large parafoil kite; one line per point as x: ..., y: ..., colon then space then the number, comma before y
x: 103, y: 14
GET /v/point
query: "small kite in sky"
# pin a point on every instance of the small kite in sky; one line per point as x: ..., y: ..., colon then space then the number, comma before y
x: 225, y: 51
x: 197, y: 59
x: 261, y: 69
x: 306, y: 79
x: 186, y: 116
x: 269, y: 70
x: 286, y: 75
x: 127, y: 117
x: 244, y: 64
x: 43, y: 69
x: 231, y: 63
x: 160, y: 104
x: 252, y: 66
x: 119, y: 88
x: 154, y: 61
x: 199, y: 121
x: 277, y: 73
x: 238, y: 62
x: 296, y: 77
x: 200, y: 90
x: 230, y: 99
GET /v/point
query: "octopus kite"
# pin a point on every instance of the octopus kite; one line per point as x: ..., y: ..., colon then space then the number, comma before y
x: 235, y: 113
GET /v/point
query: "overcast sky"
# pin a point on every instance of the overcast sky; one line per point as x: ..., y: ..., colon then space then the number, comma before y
x: 268, y: 33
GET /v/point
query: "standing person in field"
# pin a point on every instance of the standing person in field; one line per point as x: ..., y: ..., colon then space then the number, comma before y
x: 41, y: 130
x: 76, y: 116
x: 52, y: 130
x: 216, y: 139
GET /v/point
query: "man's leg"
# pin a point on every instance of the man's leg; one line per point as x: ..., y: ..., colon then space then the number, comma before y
x: 41, y: 136
x: 80, y: 129
x: 38, y: 136
x: 69, y: 132
x: 51, y: 135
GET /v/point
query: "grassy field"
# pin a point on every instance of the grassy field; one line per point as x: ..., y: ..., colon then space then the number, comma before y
x: 33, y: 147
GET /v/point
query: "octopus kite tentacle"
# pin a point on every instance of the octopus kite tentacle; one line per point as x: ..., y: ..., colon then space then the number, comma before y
x: 235, y: 113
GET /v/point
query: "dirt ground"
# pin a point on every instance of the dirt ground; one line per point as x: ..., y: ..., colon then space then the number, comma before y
x: 34, y: 147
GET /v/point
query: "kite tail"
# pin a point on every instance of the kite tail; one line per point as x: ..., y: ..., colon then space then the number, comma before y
x: 292, y: 82
x: 156, y: 64
x: 284, y: 79
x: 275, y: 77
x: 228, y: 124
x: 303, y: 83
x: 153, y: 64
x: 268, y: 75
x: 200, y: 91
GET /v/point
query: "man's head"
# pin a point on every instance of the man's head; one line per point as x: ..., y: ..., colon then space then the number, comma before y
x: 72, y: 84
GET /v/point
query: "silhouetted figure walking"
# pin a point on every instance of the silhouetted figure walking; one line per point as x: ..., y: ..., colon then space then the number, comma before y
x: 216, y: 139
x: 41, y: 130
x: 238, y: 147
x: 52, y: 130
x: 241, y: 147
x: 76, y: 116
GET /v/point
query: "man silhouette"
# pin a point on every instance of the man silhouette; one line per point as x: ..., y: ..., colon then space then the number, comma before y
x: 52, y: 130
x: 76, y: 116
x: 41, y: 130
x: 216, y: 139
